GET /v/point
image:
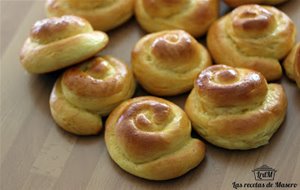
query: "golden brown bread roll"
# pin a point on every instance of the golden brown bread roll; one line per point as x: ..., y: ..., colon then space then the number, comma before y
x: 254, y: 37
x: 236, y: 3
x: 292, y: 64
x: 150, y: 137
x: 56, y: 43
x: 88, y: 91
x: 193, y: 16
x: 166, y: 63
x: 235, y: 108
x: 102, y: 14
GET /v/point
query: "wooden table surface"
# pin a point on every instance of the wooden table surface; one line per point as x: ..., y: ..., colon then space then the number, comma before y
x: 36, y: 154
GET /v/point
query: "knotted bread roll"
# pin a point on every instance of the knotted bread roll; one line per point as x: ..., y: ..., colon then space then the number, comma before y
x: 292, y: 64
x: 236, y: 3
x: 150, y: 137
x: 56, y: 43
x: 88, y: 91
x: 102, y: 14
x: 235, y: 108
x: 193, y: 16
x: 254, y: 37
x: 166, y: 63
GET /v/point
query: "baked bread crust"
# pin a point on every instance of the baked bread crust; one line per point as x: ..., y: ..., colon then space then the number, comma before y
x: 292, y: 64
x: 193, y: 16
x: 254, y: 37
x: 236, y: 3
x: 103, y: 15
x: 88, y: 91
x: 55, y: 43
x: 150, y: 138
x: 166, y: 63
x: 235, y: 108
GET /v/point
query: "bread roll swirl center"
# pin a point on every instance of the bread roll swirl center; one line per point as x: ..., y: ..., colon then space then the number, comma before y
x: 226, y: 76
x: 100, y: 77
x: 252, y: 21
x: 54, y: 29
x: 99, y: 69
x: 149, y: 116
x: 223, y: 86
x: 148, y: 129
x: 175, y: 48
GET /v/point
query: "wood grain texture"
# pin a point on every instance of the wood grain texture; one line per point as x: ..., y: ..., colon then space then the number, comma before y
x: 36, y: 154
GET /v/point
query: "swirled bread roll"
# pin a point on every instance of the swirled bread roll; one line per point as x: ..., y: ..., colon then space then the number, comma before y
x: 193, y: 16
x: 88, y: 91
x: 236, y: 3
x: 56, y: 43
x: 235, y: 108
x: 102, y: 14
x: 166, y: 63
x: 254, y: 37
x: 292, y: 64
x: 150, y: 137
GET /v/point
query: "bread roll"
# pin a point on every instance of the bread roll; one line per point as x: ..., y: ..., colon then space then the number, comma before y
x: 88, y: 91
x: 235, y: 108
x: 292, y: 64
x: 193, y: 16
x: 254, y: 37
x: 102, y: 14
x: 56, y: 43
x: 236, y: 3
x: 166, y: 63
x: 150, y: 137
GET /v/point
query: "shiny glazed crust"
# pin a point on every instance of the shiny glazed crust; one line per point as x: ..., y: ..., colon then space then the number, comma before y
x: 193, y: 16
x: 56, y: 43
x: 166, y: 63
x: 254, y: 37
x: 102, y: 14
x: 150, y: 137
x: 88, y: 91
x: 292, y: 64
x: 236, y: 3
x: 235, y: 108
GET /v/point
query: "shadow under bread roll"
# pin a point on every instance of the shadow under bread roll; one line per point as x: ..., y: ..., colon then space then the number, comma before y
x: 235, y: 108
x: 150, y: 138
x: 88, y: 91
